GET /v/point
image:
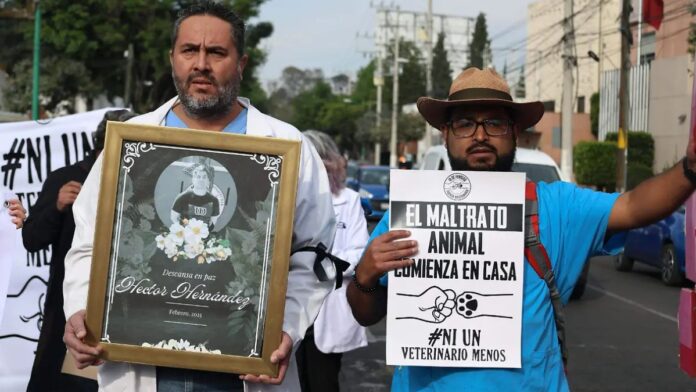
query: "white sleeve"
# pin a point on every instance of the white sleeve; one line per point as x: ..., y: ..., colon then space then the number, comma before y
x: 314, y: 223
x: 78, y: 261
x: 356, y: 235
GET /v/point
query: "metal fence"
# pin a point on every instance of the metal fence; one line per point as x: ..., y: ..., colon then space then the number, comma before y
x: 639, y: 96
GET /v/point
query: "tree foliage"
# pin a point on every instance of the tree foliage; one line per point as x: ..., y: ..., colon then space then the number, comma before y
x: 641, y: 147
x: 521, y: 86
x: 64, y: 78
x: 594, y: 114
x: 309, y: 104
x: 365, y: 91
x: 594, y: 163
x: 442, y: 76
x: 97, y: 33
x: 479, y: 42
x: 411, y: 77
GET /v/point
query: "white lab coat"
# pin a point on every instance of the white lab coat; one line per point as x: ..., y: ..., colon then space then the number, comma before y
x: 336, y: 330
x: 314, y: 223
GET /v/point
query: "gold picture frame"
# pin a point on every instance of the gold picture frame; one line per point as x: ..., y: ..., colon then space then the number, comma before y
x: 209, y: 292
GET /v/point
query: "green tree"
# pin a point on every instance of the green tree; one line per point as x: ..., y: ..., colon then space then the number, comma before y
x: 641, y: 155
x: 594, y: 163
x: 442, y: 76
x: 411, y: 77
x: 308, y: 106
x: 479, y: 42
x: 365, y: 91
x: 520, y: 87
x: 411, y: 127
x: 96, y: 33
x: 594, y: 114
x: 296, y: 81
x: 338, y: 119
x: 63, y: 80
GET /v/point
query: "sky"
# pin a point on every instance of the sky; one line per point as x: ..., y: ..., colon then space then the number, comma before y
x: 324, y: 33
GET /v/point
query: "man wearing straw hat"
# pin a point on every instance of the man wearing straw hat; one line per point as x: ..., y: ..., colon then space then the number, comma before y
x: 479, y: 124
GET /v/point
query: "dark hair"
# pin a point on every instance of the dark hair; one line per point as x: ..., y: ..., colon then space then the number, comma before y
x: 209, y: 171
x: 120, y: 115
x: 217, y: 10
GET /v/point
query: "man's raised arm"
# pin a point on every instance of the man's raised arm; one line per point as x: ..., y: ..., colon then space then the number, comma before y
x: 657, y: 197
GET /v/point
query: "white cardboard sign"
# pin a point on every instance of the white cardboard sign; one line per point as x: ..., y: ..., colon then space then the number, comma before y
x: 460, y: 303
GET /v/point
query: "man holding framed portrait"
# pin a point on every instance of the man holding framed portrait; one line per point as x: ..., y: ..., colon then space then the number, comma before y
x: 207, y: 63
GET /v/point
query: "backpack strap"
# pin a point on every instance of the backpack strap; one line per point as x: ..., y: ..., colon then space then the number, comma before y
x: 538, y: 258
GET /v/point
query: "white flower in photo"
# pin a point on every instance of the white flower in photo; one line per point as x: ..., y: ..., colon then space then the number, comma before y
x: 160, y: 240
x: 177, y: 232
x: 193, y: 250
x: 171, y: 250
x: 172, y: 240
x: 196, y: 230
x: 183, y: 345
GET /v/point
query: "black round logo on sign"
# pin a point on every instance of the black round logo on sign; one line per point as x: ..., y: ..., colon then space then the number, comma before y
x: 457, y: 186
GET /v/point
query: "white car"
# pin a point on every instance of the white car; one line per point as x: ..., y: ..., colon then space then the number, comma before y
x: 537, y: 164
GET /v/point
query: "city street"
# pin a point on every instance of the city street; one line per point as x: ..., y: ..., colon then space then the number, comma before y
x: 622, y: 336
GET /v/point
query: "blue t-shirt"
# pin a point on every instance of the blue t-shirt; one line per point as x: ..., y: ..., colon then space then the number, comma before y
x: 238, y: 125
x: 572, y: 227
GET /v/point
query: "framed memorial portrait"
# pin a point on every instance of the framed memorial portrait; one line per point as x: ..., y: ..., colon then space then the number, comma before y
x: 192, y: 247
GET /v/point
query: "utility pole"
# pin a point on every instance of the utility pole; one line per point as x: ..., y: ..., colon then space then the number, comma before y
x: 130, y: 55
x: 567, y: 97
x: 600, y: 50
x: 427, y: 139
x: 37, y: 58
x: 621, y: 154
x: 640, y: 32
x: 395, y: 95
x: 378, y: 81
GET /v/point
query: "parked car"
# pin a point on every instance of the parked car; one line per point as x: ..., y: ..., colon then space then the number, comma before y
x: 539, y: 168
x: 659, y: 245
x: 537, y: 164
x: 351, y: 173
x: 372, y: 182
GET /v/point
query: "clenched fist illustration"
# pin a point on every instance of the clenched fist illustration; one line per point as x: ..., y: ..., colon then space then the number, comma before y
x: 433, y: 305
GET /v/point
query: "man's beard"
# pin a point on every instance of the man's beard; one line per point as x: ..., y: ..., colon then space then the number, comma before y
x: 503, y: 162
x: 213, y: 106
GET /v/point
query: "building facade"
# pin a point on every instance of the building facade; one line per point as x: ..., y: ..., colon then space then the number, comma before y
x: 596, y: 27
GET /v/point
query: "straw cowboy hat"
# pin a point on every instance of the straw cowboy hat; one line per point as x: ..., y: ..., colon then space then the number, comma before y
x: 479, y: 87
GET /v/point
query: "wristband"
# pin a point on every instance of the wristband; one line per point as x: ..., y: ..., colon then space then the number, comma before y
x: 360, y: 287
x: 688, y: 173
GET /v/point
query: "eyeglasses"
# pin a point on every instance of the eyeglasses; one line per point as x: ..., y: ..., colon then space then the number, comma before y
x: 467, y: 128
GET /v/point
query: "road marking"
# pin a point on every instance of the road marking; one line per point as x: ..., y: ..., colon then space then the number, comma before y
x: 634, y: 303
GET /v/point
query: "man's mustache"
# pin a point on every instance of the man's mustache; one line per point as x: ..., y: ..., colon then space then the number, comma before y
x: 196, y: 75
x: 481, y: 146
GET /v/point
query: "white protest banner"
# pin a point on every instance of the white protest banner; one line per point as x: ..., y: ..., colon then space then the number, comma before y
x: 29, y: 150
x: 460, y: 303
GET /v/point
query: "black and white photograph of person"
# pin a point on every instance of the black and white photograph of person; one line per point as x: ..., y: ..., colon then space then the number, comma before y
x: 196, y: 201
x: 196, y: 187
